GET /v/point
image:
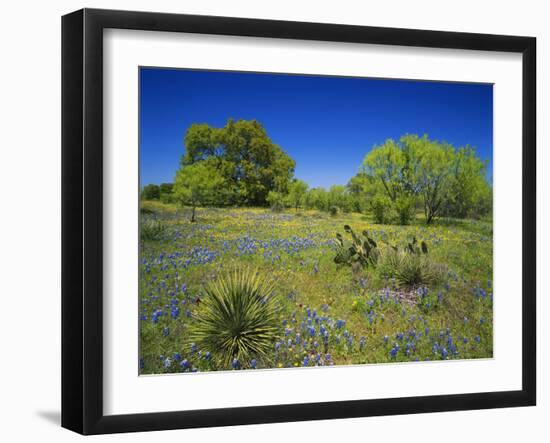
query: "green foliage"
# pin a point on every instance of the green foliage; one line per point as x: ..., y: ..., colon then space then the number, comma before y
x: 404, y: 209
x: 297, y: 191
x: 166, y: 188
x: 381, y: 208
x: 152, y: 230
x: 317, y: 198
x: 276, y: 201
x: 361, y: 253
x: 150, y: 192
x: 334, y: 210
x: 411, y: 266
x: 237, y: 318
x: 471, y: 194
x: 411, y: 270
x: 251, y: 164
x: 199, y: 184
x: 146, y: 211
x: 388, y: 163
x: 445, y: 180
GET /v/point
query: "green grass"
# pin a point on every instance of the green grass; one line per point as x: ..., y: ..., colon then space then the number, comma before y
x: 329, y: 315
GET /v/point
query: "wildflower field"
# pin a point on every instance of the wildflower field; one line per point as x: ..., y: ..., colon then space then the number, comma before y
x: 325, y: 313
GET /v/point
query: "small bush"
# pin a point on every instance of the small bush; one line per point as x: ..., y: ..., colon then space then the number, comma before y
x: 237, y: 319
x: 334, y: 210
x: 411, y: 270
x: 276, y: 200
x: 146, y: 211
x: 380, y: 207
x: 152, y: 230
x: 404, y: 210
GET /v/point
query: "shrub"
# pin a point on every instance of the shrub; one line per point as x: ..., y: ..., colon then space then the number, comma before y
x: 150, y: 192
x: 152, y: 230
x: 380, y: 207
x: 146, y: 211
x: 404, y: 209
x: 334, y: 210
x: 237, y: 318
x: 411, y: 267
x: 167, y: 198
x: 276, y: 200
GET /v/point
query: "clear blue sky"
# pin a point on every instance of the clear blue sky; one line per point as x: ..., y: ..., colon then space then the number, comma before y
x: 327, y: 124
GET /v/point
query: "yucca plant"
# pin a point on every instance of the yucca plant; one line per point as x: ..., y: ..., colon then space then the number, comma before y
x: 411, y: 269
x: 237, y: 319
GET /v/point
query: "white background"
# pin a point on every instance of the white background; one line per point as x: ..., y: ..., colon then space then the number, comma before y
x: 30, y: 223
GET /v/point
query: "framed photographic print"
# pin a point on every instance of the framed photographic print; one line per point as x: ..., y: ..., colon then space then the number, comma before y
x: 269, y: 221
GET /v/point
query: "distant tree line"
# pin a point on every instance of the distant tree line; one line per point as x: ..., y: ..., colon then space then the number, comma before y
x: 239, y: 165
x: 163, y: 192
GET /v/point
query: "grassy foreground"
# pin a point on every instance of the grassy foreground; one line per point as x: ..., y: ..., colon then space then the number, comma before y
x: 327, y: 316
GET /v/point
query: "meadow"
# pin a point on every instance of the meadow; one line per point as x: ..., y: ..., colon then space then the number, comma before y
x: 327, y: 313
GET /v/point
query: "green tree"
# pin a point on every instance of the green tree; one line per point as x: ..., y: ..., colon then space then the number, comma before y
x: 468, y: 183
x: 150, y: 192
x: 428, y: 172
x: 297, y: 191
x: 166, y: 188
x: 245, y: 156
x: 318, y: 199
x: 339, y: 197
x: 276, y: 200
x: 432, y: 173
x: 199, y: 184
x: 166, y: 192
x: 387, y: 163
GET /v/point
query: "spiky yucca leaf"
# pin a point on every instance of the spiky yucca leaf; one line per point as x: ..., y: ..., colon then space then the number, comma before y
x: 237, y: 318
x: 412, y: 270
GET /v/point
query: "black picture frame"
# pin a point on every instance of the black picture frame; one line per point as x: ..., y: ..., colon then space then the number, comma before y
x: 82, y: 218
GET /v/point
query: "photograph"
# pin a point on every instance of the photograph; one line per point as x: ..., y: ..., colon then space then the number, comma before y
x: 292, y: 221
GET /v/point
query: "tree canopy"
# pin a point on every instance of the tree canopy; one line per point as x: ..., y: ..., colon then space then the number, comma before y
x: 199, y: 184
x: 445, y: 180
x: 242, y: 152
